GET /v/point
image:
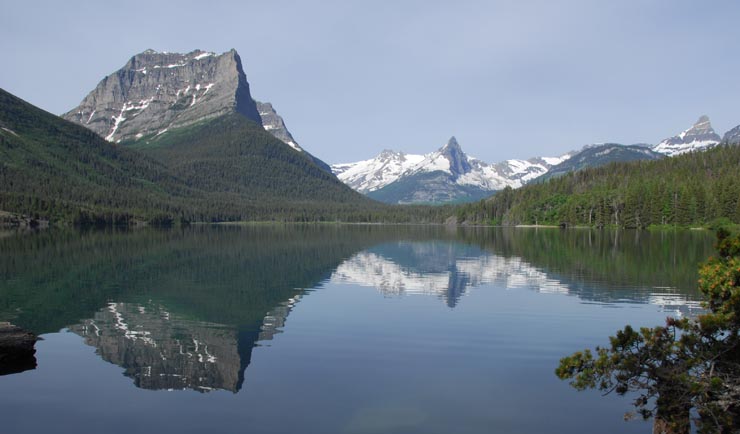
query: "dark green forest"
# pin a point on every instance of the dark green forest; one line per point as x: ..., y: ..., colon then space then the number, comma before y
x: 694, y: 189
x: 227, y: 169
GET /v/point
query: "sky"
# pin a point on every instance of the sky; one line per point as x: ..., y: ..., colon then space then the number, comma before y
x: 509, y: 79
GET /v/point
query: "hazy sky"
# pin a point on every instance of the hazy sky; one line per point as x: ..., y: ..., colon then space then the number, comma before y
x: 510, y: 79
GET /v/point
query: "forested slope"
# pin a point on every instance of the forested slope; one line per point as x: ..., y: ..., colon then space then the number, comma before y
x: 687, y: 190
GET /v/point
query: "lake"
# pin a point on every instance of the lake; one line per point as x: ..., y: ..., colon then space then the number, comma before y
x: 329, y: 328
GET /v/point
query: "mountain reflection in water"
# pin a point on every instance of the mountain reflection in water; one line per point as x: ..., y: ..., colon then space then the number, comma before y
x: 184, y: 309
x: 450, y: 270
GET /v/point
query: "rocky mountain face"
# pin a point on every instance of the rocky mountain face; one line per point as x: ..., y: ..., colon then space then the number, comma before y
x: 158, y: 91
x: 445, y: 175
x: 732, y: 137
x: 274, y: 123
x: 700, y: 136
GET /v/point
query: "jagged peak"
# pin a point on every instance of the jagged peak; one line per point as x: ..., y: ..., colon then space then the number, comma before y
x: 454, y: 154
x: 700, y: 136
x: 388, y: 153
x: 451, y: 143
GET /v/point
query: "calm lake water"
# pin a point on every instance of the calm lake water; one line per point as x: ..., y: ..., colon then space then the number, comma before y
x: 329, y: 329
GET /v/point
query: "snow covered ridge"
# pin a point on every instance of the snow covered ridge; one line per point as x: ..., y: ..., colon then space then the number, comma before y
x: 389, y: 166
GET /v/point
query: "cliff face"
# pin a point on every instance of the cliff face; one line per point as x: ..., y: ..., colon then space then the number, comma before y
x: 157, y: 91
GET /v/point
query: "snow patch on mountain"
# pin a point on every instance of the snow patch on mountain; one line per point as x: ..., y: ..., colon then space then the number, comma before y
x: 369, y: 175
x: 389, y: 166
x: 700, y: 136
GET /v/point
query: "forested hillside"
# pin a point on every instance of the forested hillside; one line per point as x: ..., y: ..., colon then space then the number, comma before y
x: 687, y: 190
x: 227, y: 169
x: 53, y: 169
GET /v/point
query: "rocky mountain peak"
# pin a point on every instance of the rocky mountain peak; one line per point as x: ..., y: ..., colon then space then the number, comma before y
x: 701, y: 127
x: 458, y: 160
x: 732, y: 137
x: 451, y: 144
x: 273, y: 123
x: 701, y: 135
x: 155, y: 91
x: 390, y: 153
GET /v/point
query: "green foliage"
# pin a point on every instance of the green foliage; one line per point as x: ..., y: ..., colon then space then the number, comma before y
x: 688, y: 190
x: 689, y: 363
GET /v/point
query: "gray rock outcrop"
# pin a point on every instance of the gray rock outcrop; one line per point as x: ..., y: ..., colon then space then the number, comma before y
x: 157, y: 91
x: 273, y: 123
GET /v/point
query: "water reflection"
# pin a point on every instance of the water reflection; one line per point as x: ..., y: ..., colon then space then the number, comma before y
x: 185, y: 309
x: 449, y: 270
x: 161, y: 350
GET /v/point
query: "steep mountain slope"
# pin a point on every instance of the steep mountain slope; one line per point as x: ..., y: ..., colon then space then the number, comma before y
x: 53, y: 168
x: 275, y: 124
x: 155, y: 92
x: 700, y: 136
x: 232, y: 154
x: 446, y: 175
x: 599, y: 155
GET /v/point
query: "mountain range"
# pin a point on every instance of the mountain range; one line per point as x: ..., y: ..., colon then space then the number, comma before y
x: 445, y: 175
x: 449, y: 175
x: 179, y: 136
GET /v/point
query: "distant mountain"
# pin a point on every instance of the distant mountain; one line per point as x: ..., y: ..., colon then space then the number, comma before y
x: 446, y: 175
x: 732, y: 137
x: 700, y: 136
x: 369, y: 175
x: 599, y: 155
x: 273, y: 123
x: 689, y: 190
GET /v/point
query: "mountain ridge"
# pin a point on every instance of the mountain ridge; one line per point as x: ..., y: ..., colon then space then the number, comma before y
x: 455, y: 175
x: 396, y: 177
